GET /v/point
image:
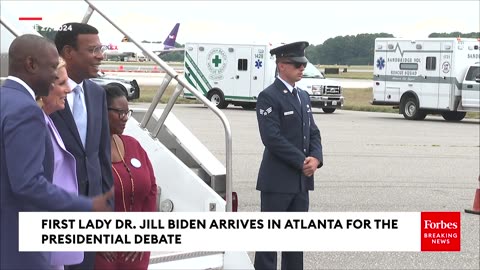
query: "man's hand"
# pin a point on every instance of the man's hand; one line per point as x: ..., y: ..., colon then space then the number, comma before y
x: 132, y: 256
x: 310, y: 166
x: 109, y: 256
x: 100, y: 202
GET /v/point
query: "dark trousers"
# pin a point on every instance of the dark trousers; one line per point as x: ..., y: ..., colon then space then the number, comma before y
x: 88, y: 257
x: 281, y: 202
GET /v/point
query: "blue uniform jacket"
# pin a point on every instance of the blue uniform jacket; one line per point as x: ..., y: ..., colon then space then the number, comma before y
x: 289, y: 133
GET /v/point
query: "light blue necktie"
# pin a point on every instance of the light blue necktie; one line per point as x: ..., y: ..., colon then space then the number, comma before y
x: 80, y: 114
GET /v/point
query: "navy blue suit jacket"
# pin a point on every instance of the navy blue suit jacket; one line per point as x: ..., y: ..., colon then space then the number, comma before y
x: 94, y: 164
x: 26, y: 162
x: 289, y: 133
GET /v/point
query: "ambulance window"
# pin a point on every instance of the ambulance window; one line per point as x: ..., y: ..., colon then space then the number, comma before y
x: 408, y: 66
x: 472, y: 73
x: 431, y: 63
x: 242, y: 64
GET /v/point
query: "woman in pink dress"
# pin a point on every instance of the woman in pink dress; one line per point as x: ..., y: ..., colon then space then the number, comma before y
x: 134, y: 180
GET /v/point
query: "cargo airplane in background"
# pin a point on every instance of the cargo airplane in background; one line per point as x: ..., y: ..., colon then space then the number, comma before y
x: 128, y: 51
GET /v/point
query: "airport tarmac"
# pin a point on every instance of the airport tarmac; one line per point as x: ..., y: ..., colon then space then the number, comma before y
x: 374, y: 162
x: 155, y: 79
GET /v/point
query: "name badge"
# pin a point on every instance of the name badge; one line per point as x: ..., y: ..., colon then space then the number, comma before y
x: 288, y: 113
x: 135, y: 163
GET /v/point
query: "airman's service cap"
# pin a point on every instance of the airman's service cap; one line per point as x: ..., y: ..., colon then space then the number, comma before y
x: 293, y: 51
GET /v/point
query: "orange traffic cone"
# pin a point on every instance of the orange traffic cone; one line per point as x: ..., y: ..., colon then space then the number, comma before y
x: 476, y: 202
x: 120, y: 68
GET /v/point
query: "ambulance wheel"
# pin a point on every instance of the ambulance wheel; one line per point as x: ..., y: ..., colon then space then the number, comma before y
x: 411, y: 110
x: 453, y: 116
x: 248, y: 105
x: 328, y: 110
x: 217, y: 98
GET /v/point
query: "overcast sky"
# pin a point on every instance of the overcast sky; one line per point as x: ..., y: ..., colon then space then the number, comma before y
x: 254, y: 21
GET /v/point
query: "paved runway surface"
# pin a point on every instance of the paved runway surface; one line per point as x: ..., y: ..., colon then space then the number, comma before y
x: 373, y: 162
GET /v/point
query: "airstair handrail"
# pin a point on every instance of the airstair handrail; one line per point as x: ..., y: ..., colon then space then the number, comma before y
x: 11, y: 29
x: 14, y: 32
x: 173, y: 74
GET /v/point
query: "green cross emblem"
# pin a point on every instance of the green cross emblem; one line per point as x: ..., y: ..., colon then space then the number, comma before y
x: 216, y: 61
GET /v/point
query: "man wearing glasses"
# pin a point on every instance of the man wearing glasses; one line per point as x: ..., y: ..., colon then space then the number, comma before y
x: 293, y: 148
x: 83, y: 124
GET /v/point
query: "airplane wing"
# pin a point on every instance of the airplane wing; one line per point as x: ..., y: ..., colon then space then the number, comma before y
x: 169, y: 50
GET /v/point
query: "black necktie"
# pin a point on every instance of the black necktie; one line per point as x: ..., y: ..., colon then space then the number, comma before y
x: 295, y: 94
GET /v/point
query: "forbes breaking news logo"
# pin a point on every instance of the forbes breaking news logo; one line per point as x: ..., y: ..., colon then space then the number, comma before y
x: 440, y: 231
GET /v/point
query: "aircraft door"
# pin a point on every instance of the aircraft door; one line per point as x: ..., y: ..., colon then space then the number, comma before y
x: 242, y: 74
x: 379, y: 71
x: 445, y: 88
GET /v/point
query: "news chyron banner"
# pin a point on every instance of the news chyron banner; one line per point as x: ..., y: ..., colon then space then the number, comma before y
x: 242, y: 231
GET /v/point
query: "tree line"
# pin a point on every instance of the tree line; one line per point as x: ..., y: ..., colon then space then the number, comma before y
x: 340, y: 50
x: 345, y: 50
x: 359, y: 49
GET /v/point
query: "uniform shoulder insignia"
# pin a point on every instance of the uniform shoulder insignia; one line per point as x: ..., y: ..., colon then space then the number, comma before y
x: 265, y: 112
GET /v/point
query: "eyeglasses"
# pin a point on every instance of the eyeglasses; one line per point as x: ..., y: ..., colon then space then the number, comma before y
x: 296, y: 64
x: 98, y: 50
x: 121, y: 113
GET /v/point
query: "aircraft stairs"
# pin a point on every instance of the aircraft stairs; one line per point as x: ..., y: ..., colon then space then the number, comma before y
x: 189, y: 177
x: 161, y: 125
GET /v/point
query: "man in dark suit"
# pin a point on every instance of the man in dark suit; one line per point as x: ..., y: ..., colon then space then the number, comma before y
x: 83, y: 124
x: 293, y: 149
x: 26, y: 154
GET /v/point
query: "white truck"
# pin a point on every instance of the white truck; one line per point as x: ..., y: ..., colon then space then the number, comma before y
x: 237, y: 73
x: 434, y: 75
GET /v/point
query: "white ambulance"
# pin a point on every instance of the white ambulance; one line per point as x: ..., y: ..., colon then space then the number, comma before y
x: 434, y: 75
x: 236, y: 74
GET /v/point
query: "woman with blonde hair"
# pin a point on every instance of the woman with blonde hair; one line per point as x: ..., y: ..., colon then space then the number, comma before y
x: 64, y: 174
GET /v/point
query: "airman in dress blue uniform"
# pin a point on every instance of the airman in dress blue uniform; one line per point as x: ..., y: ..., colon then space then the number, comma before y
x: 293, y: 148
